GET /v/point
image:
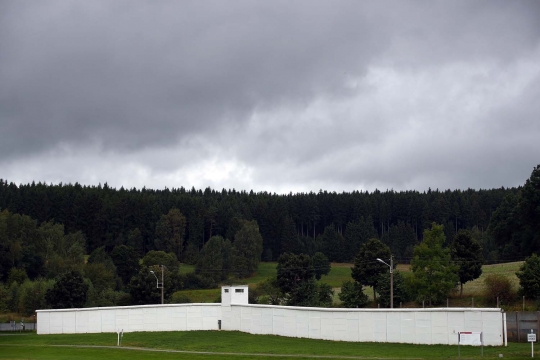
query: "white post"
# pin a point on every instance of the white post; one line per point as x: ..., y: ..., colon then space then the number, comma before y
x: 391, y: 281
x: 162, y: 287
x: 532, y: 342
x: 504, y: 330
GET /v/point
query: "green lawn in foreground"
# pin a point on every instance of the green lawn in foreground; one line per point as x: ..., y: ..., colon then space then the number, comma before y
x: 35, y: 347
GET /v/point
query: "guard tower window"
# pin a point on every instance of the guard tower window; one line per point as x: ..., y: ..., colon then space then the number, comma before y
x: 239, y: 290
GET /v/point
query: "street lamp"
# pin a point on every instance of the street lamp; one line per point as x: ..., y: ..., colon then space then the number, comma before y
x: 391, y: 266
x: 158, y: 284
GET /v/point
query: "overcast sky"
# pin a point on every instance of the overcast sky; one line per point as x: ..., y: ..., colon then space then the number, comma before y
x: 273, y: 96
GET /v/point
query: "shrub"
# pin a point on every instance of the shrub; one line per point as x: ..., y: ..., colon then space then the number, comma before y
x: 325, y: 295
x: 268, y: 292
x: 401, y: 290
x: 196, y: 281
x: 352, y: 295
x: 499, y: 286
x: 32, y: 296
x: 5, y: 298
x: 106, y: 297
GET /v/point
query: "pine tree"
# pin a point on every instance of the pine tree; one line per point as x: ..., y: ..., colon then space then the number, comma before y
x: 434, y: 274
x: 466, y: 253
x: 366, y: 268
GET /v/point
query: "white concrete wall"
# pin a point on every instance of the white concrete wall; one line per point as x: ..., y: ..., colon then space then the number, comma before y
x: 173, y: 317
x: 414, y: 326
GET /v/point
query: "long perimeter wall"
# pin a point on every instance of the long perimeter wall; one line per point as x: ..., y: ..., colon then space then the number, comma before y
x: 174, y: 317
x: 414, y: 326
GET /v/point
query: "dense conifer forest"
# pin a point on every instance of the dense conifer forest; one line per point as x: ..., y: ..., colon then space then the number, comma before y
x: 129, y: 235
x: 334, y: 223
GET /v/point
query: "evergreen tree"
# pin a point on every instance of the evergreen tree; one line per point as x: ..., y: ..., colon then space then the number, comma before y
x: 401, y: 291
x: 366, y: 268
x: 143, y: 287
x: 352, y: 295
x: 321, y: 265
x: 210, y: 262
x: 467, y: 254
x: 126, y: 260
x: 289, y: 237
x: 295, y: 278
x: 503, y: 225
x: 434, y: 274
x: 358, y: 233
x: 247, y: 249
x: 333, y: 244
x: 529, y: 277
x: 528, y: 214
x: 170, y: 231
x: 136, y: 241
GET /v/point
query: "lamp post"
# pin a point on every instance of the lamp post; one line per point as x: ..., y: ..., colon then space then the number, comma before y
x: 158, y: 284
x: 391, y: 266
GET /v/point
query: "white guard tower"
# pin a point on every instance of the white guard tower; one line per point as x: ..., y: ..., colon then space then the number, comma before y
x: 235, y: 294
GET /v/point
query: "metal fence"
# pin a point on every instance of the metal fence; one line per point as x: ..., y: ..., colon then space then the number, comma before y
x: 520, y: 323
x: 17, y: 326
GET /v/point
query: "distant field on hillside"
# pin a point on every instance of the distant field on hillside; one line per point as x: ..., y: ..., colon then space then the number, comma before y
x: 202, y: 295
x: 338, y: 274
x: 341, y: 272
x: 477, y: 287
x: 265, y: 271
x: 185, y: 268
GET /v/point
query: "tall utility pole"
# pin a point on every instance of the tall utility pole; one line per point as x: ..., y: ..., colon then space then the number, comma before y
x: 391, y: 282
x: 162, y: 287
x: 158, y: 284
x: 391, y: 266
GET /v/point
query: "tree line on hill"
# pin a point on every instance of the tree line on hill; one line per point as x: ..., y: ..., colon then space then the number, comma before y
x: 182, y: 221
x: 46, y: 230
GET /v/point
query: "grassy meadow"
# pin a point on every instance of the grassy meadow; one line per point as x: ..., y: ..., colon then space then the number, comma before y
x: 341, y: 272
x: 227, y: 345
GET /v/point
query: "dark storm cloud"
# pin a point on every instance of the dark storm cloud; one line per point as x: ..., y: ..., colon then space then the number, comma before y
x: 299, y: 94
x: 140, y: 73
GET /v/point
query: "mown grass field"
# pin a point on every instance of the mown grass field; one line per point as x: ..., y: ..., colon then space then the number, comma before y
x: 228, y: 345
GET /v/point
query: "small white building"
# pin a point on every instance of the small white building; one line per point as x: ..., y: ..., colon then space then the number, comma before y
x: 234, y: 294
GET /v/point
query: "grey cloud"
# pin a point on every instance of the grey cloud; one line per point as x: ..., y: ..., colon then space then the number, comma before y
x: 144, y: 74
x: 228, y: 80
x: 134, y: 74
